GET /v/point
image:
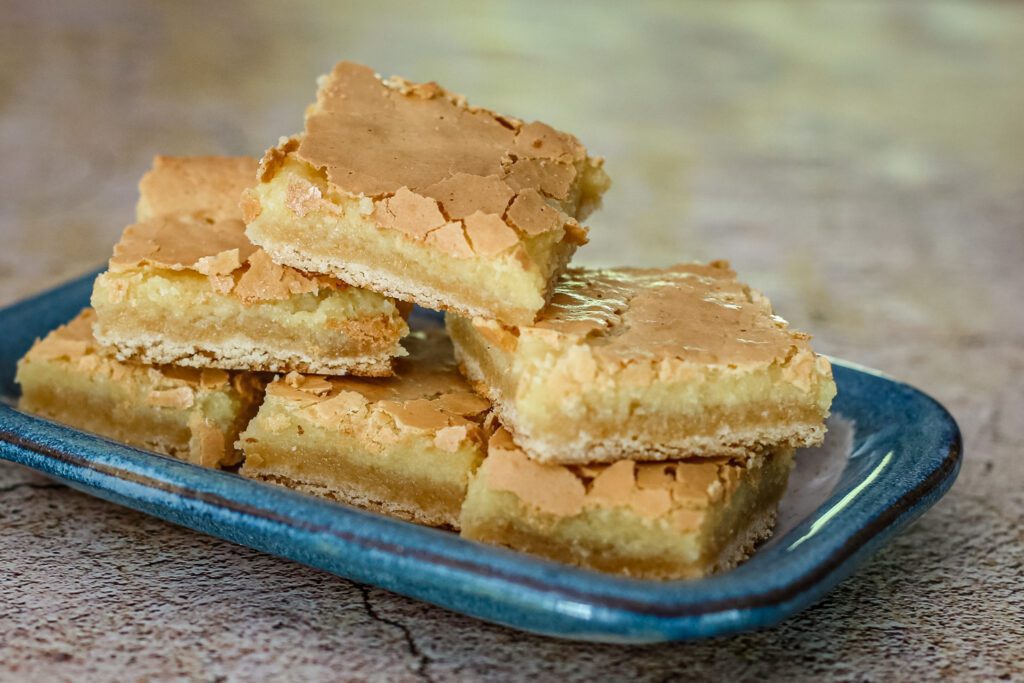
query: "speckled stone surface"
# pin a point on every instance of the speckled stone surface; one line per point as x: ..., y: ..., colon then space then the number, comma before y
x: 861, y: 162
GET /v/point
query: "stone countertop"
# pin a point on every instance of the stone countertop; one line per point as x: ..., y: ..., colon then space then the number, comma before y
x: 860, y: 162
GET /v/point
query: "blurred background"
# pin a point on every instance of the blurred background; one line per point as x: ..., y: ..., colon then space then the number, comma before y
x: 861, y: 162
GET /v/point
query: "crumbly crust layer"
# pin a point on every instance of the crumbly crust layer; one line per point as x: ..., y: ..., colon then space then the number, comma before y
x: 469, y: 302
x: 241, y: 354
x: 353, y: 494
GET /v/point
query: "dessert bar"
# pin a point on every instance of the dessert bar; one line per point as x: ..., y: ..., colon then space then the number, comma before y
x: 191, y: 414
x: 405, y: 189
x: 649, y: 364
x: 405, y: 445
x: 185, y: 286
x: 666, y: 520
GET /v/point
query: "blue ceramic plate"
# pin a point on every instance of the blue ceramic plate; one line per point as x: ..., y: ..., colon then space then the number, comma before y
x: 890, y: 454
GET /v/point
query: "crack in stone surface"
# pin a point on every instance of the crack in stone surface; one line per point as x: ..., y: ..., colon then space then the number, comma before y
x: 422, y: 660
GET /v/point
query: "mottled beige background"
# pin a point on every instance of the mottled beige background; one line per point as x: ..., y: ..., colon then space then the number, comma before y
x: 862, y: 162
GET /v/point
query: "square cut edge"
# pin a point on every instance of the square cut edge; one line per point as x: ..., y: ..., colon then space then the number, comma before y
x: 190, y: 414
x: 615, y: 368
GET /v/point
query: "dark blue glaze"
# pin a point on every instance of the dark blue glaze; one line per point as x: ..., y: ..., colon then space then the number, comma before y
x: 906, y: 455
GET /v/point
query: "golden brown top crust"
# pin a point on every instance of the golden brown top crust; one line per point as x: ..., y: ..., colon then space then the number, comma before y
x: 690, y: 312
x: 373, y: 137
x: 679, y: 491
x: 210, y: 187
x: 184, y: 242
x: 189, y: 219
x: 431, y: 162
x: 170, y: 386
x: 426, y: 393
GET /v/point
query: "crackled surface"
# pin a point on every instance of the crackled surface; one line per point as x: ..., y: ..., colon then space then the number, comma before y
x: 463, y: 179
x: 627, y: 313
x: 189, y: 219
x: 426, y: 394
x: 650, y: 490
x: 878, y: 206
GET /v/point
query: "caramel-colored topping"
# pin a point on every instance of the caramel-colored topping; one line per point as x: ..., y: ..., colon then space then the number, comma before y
x: 532, y: 215
x: 549, y: 488
x: 463, y: 194
x: 265, y: 280
x: 183, y: 242
x: 213, y: 378
x: 72, y: 341
x: 426, y: 393
x: 489, y: 234
x: 206, y: 440
x: 408, y: 212
x: 689, y: 312
x: 190, y: 219
x: 450, y: 238
x: 428, y: 159
x: 677, y: 490
x: 209, y: 187
x: 450, y: 438
x: 505, y: 338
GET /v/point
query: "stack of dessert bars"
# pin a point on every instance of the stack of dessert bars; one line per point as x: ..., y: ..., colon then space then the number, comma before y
x: 636, y: 421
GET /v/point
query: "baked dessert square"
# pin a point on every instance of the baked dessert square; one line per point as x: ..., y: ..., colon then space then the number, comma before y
x: 405, y: 189
x: 405, y: 445
x: 185, y: 286
x: 191, y: 414
x: 678, y: 519
x: 649, y: 364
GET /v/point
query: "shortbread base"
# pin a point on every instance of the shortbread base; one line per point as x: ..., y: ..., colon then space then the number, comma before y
x: 242, y: 354
x: 367, y: 500
x: 405, y: 288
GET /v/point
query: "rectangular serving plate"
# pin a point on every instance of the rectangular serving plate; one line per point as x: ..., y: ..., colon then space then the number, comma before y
x: 891, y: 453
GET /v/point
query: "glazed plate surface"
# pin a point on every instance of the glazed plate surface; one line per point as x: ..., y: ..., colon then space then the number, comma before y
x: 890, y: 454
